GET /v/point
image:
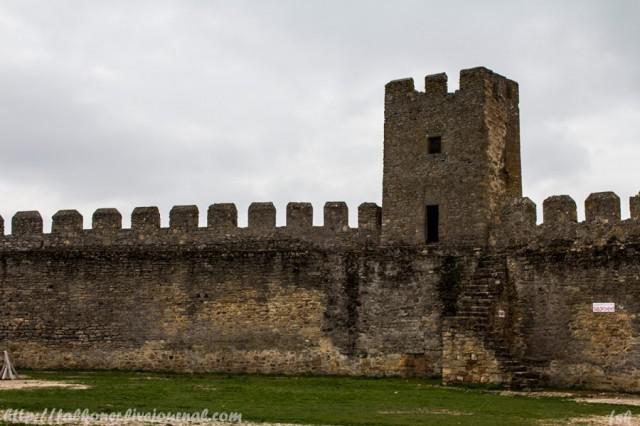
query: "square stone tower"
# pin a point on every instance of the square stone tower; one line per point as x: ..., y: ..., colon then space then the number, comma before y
x: 450, y: 159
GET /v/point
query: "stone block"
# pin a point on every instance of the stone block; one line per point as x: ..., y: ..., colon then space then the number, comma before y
x: 106, y: 220
x: 262, y: 215
x: 634, y: 206
x: 475, y: 79
x: 520, y: 213
x: 222, y: 216
x: 26, y: 223
x: 184, y: 218
x: 66, y: 222
x: 369, y: 216
x: 435, y: 85
x: 299, y: 215
x: 603, y: 207
x: 559, y: 209
x: 145, y: 219
x: 336, y: 216
x: 518, y: 221
x: 397, y: 90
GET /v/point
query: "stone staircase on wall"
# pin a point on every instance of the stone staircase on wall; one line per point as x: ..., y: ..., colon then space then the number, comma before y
x: 475, y: 346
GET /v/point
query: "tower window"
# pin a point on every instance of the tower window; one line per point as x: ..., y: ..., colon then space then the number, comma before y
x: 431, y: 224
x: 434, y: 144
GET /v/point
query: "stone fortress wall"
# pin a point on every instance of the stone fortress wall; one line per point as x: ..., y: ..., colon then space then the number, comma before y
x: 497, y: 298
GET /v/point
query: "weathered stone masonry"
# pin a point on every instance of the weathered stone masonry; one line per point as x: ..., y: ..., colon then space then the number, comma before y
x: 452, y: 277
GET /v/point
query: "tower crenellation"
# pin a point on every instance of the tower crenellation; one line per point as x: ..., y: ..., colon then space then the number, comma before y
x: 435, y: 85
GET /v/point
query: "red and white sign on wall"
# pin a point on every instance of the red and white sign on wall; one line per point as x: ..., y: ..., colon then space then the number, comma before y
x: 604, y: 307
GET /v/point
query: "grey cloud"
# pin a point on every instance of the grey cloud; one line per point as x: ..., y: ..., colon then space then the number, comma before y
x: 172, y: 102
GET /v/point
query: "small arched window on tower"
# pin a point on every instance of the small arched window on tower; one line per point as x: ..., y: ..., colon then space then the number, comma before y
x: 434, y: 144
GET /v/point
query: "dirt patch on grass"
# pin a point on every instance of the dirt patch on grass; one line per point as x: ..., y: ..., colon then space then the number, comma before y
x: 615, y: 400
x: 582, y: 396
x: 37, y: 384
x: 540, y: 394
x: 621, y: 419
x: 442, y: 411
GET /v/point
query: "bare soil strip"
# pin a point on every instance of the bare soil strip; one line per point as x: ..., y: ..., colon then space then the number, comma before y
x: 586, y: 397
x: 37, y: 384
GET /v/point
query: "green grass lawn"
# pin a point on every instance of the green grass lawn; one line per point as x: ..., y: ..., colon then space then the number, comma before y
x: 308, y: 400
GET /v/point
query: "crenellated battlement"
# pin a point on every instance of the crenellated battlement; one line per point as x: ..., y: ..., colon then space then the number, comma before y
x: 602, y: 224
x: 518, y: 224
x: 222, y: 226
x: 474, y: 82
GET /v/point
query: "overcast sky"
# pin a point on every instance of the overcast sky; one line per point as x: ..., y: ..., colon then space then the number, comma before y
x: 133, y: 103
